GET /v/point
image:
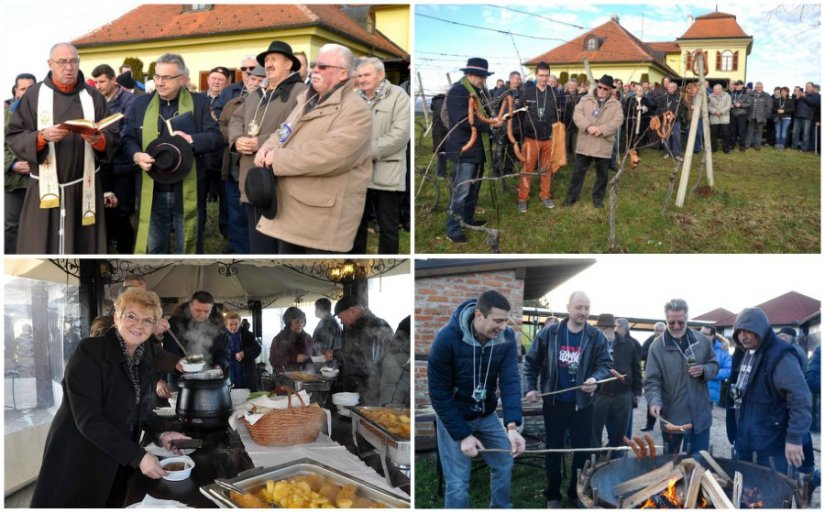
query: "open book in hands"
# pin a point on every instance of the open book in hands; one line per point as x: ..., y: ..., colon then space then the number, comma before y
x: 85, y: 126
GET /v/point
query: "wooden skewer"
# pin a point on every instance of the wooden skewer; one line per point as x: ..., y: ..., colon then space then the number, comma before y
x: 544, y: 451
x: 581, y: 386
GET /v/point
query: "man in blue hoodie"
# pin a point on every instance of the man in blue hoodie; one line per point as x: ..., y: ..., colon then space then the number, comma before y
x: 569, y: 354
x: 771, y: 414
x: 472, y: 356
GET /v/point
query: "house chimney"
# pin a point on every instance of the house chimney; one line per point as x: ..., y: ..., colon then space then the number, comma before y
x: 615, y: 17
x: 690, y: 20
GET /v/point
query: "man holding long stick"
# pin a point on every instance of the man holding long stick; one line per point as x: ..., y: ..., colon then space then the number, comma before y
x: 571, y: 353
x: 472, y: 358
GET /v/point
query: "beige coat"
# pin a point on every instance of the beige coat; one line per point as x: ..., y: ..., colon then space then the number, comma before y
x: 323, y: 170
x: 275, y: 115
x: 390, y: 135
x: 609, y: 120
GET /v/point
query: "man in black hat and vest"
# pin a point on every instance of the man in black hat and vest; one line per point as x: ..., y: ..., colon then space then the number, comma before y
x: 177, y: 199
x: 598, y: 117
x: 469, y: 162
x: 261, y: 115
x: 62, y: 211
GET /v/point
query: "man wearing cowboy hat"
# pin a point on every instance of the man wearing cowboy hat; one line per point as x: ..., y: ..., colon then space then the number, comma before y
x: 598, y: 117
x: 469, y: 164
x: 260, y: 116
x: 171, y: 194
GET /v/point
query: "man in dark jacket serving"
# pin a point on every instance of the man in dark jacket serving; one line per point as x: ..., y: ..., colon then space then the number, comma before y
x: 473, y: 356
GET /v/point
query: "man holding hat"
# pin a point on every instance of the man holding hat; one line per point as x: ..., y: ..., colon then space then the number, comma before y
x: 321, y: 155
x: 167, y: 135
x: 364, y: 343
x: 469, y: 163
x: 598, y: 117
x: 261, y: 115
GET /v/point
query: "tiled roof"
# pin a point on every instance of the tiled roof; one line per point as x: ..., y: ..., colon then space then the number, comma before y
x: 715, y: 316
x: 618, y: 45
x: 790, y: 308
x: 665, y: 46
x: 714, y: 25
x: 153, y: 22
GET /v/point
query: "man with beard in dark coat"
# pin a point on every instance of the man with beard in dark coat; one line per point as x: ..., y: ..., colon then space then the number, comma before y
x: 365, y: 341
x: 63, y: 209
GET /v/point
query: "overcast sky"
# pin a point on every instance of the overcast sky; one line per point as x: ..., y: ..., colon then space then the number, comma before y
x: 30, y: 28
x: 640, y: 285
x: 786, y: 39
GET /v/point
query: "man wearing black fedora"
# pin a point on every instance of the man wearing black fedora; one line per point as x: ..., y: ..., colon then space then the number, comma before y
x: 598, y: 117
x: 173, y: 184
x: 253, y: 123
x: 468, y: 163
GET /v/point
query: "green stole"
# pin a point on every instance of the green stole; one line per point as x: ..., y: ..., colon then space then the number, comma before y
x: 190, y: 183
x: 470, y: 89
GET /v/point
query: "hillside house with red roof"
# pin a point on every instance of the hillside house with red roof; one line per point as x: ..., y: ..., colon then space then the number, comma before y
x: 209, y: 35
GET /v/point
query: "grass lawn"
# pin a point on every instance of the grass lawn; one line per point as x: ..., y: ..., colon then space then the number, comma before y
x: 762, y: 202
x: 528, y: 483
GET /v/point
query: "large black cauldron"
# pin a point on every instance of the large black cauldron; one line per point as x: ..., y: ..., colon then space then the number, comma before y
x: 204, y: 404
x: 775, y: 490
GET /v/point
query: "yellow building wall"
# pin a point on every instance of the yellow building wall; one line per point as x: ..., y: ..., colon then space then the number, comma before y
x: 394, y: 22
x: 204, y: 53
x: 674, y: 61
x: 712, y: 47
x: 625, y: 72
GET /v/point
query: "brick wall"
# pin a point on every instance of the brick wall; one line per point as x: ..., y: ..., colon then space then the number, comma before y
x: 437, y: 298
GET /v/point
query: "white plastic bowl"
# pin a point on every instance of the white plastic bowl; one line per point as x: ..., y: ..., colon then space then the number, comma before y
x: 192, y: 367
x: 329, y: 373
x: 345, y: 398
x: 178, y: 475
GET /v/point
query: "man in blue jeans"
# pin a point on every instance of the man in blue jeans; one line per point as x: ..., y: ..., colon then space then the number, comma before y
x: 472, y: 357
x: 468, y: 164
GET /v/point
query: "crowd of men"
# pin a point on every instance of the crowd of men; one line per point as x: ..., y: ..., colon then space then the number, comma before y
x: 553, y: 122
x: 301, y: 158
x: 589, y: 378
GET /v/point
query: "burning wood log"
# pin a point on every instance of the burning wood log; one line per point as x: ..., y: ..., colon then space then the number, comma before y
x: 714, y: 493
x: 646, y: 493
x: 736, y: 497
x: 637, y: 483
x: 693, y: 487
x: 715, y: 466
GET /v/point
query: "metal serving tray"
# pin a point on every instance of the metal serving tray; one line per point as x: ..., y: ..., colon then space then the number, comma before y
x: 255, y: 478
x: 397, y: 449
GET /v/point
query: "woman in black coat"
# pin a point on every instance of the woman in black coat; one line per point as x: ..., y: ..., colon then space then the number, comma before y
x: 108, y: 395
x: 243, y: 350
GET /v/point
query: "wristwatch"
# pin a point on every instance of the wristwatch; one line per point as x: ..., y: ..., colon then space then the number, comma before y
x: 512, y: 426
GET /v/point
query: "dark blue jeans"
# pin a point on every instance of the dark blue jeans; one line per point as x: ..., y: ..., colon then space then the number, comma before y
x: 694, y: 441
x: 464, y: 195
x: 166, y: 215
x: 237, y: 228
